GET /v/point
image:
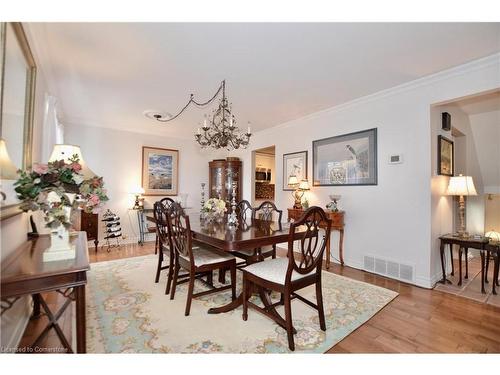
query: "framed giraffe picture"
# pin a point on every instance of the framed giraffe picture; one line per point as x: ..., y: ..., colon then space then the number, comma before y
x: 349, y: 159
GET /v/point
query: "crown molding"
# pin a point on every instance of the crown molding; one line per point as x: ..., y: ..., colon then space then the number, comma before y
x: 442, y: 75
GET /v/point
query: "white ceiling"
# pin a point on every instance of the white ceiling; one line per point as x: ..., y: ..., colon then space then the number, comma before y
x: 107, y: 74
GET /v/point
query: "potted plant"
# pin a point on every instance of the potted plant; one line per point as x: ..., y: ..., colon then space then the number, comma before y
x: 55, y: 189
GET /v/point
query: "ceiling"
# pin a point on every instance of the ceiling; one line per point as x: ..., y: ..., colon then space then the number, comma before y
x: 107, y: 74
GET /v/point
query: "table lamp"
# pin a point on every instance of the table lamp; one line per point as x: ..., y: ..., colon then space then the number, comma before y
x: 303, y: 187
x: 8, y: 170
x: 64, y: 152
x: 461, y: 186
x: 294, y: 183
x: 138, y: 204
x: 493, y: 235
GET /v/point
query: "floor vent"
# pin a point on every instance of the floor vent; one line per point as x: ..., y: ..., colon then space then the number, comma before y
x: 388, y: 268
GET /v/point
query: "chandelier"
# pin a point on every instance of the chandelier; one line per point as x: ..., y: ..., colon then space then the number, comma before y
x: 219, y: 129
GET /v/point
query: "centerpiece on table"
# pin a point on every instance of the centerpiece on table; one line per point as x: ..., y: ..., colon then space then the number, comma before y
x: 56, y: 189
x: 213, y: 210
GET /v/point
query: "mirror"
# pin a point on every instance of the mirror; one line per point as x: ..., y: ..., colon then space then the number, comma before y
x: 17, y: 89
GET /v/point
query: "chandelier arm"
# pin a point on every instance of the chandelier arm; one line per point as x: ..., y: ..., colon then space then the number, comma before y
x: 199, y: 104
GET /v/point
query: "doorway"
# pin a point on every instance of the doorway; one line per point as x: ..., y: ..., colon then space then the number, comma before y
x: 264, y: 175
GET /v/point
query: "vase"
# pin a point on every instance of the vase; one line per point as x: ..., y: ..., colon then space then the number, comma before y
x: 60, y: 247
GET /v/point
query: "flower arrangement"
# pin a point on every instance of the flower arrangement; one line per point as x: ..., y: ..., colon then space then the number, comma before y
x: 215, y: 206
x: 53, y: 187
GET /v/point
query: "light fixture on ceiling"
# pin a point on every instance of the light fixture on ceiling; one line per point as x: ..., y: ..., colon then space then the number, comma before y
x: 219, y: 130
x: 156, y: 115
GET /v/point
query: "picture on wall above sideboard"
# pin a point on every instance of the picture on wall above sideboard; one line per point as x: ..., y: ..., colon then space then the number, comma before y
x: 160, y: 171
x: 445, y: 156
x: 294, y: 164
x: 349, y: 159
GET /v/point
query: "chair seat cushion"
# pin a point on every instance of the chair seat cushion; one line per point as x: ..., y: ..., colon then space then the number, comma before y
x: 203, y: 256
x: 249, y: 252
x: 274, y: 270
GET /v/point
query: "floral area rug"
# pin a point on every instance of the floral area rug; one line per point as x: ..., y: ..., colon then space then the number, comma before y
x: 128, y: 313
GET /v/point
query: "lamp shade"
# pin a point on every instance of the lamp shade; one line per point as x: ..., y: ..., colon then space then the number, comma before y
x: 293, y: 181
x: 304, y: 185
x: 138, y: 190
x: 64, y: 152
x: 492, y: 235
x: 461, y: 185
x: 8, y: 170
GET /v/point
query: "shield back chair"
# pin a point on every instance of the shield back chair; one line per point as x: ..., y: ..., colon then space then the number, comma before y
x: 288, y: 275
x: 161, y: 210
x: 267, y: 211
x: 202, y: 261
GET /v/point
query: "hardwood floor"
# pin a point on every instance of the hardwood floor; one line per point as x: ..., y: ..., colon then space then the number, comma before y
x: 417, y: 321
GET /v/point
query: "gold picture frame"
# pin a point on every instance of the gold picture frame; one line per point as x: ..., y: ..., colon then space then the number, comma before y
x: 10, y: 207
x: 160, y: 171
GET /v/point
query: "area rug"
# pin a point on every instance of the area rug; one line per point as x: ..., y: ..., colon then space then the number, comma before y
x: 128, y: 313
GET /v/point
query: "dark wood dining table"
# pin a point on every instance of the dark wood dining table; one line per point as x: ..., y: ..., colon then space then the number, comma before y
x: 247, y: 235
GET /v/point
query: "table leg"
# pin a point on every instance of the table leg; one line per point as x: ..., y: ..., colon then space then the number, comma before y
x: 229, y: 307
x: 482, y: 271
x: 444, y: 280
x: 496, y: 259
x: 328, y: 252
x: 451, y: 259
x: 460, y: 250
x: 487, y: 267
x: 341, y: 247
x: 36, y: 306
x: 466, y: 263
x: 81, y: 338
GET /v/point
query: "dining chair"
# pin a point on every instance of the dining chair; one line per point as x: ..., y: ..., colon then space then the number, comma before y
x: 202, y: 261
x: 266, y: 211
x: 161, y: 210
x: 288, y: 275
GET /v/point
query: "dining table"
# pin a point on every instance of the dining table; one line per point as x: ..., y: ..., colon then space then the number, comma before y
x: 248, y: 234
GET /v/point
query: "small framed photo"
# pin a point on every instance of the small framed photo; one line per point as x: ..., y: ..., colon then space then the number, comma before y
x: 160, y: 171
x: 294, y: 164
x: 446, y: 161
x: 348, y: 159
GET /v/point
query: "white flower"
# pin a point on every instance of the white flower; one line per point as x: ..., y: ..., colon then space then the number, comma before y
x: 53, y: 197
x: 78, y: 178
x: 37, y: 181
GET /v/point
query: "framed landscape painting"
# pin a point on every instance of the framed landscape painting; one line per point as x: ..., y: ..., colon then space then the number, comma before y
x: 445, y: 156
x: 349, y: 159
x: 294, y: 164
x: 160, y: 171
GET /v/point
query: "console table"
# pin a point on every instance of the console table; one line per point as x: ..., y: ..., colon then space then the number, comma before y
x: 464, y: 243
x: 337, y: 219
x: 25, y: 273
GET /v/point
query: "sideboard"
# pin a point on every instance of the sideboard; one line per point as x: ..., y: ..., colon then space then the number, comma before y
x: 337, y: 218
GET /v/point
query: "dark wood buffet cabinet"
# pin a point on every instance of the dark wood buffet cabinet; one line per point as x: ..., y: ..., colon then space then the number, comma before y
x: 337, y: 219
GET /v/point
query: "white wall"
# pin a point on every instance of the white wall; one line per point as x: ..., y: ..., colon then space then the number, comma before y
x: 395, y: 219
x: 485, y: 128
x: 117, y: 156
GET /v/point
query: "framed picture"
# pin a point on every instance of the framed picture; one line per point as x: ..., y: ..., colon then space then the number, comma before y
x: 160, y: 171
x: 446, y: 162
x: 349, y: 159
x: 294, y: 164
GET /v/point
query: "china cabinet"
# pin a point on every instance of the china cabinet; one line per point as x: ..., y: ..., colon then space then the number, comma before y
x: 222, y: 175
